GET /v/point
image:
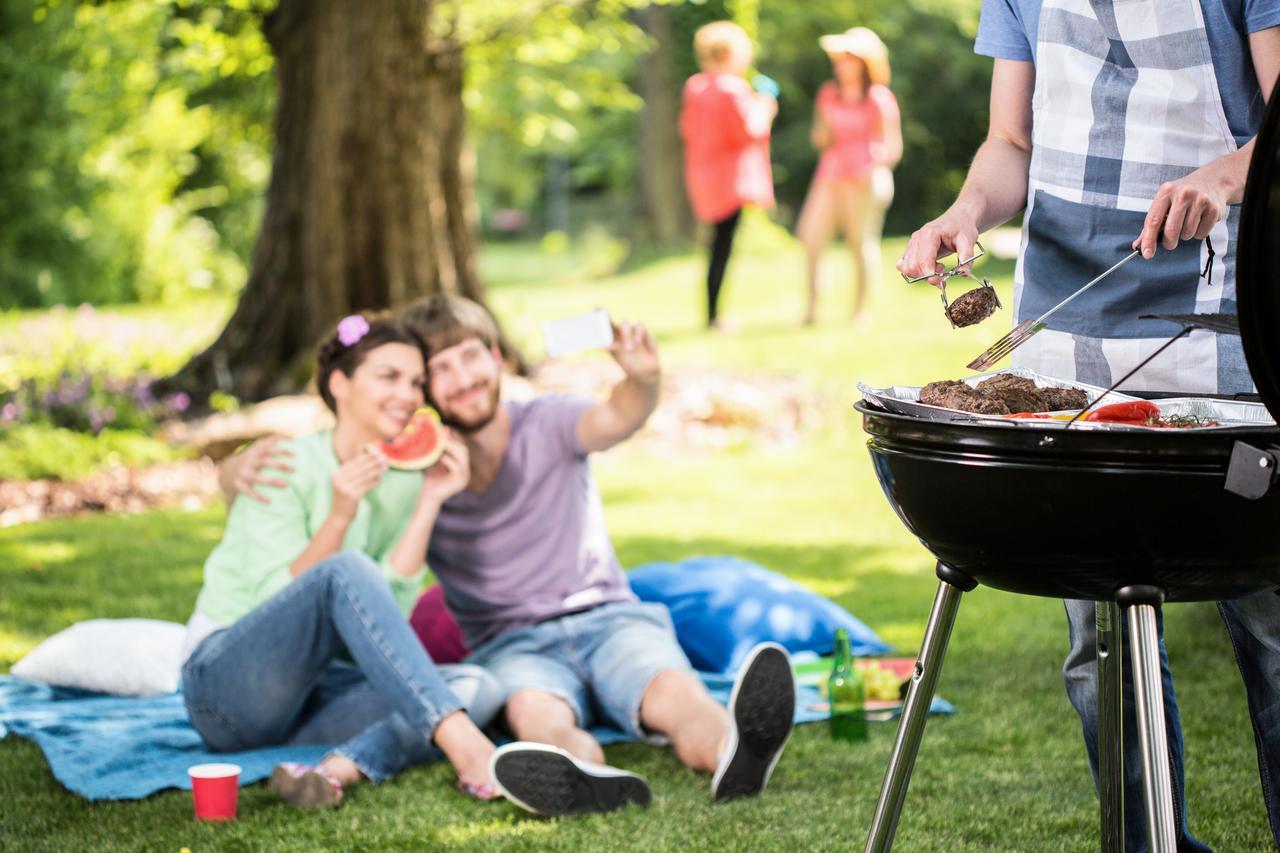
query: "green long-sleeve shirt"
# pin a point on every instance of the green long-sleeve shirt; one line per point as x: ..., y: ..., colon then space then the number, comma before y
x: 261, y: 541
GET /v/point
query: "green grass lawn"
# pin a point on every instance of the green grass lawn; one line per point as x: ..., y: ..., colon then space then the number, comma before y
x: 1008, y: 772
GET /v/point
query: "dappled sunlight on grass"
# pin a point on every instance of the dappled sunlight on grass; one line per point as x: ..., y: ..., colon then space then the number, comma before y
x: 490, y: 831
x: 37, y: 556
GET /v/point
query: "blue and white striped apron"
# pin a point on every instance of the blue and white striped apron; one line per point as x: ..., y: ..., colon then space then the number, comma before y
x: 1125, y: 99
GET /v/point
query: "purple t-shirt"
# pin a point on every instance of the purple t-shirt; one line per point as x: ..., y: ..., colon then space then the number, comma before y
x: 534, y: 545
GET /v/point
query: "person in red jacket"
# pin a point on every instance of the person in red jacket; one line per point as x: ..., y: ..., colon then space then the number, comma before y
x: 725, y: 125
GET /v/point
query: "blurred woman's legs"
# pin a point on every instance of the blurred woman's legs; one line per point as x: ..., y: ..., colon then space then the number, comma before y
x: 814, y: 229
x: 853, y: 207
x: 881, y: 196
x: 721, y: 245
x: 248, y: 685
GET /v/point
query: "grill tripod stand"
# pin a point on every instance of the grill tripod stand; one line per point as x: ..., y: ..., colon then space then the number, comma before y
x: 1140, y: 603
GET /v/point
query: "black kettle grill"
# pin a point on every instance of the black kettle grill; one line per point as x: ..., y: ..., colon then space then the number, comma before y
x: 1171, y: 515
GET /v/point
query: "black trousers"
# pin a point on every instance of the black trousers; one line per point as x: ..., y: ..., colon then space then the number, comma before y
x: 721, y: 245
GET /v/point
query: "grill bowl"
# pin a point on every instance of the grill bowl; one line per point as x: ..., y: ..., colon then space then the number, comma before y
x: 1079, y: 514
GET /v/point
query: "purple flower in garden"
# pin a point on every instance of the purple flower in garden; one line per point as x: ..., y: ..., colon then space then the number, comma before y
x: 10, y: 413
x: 179, y: 402
x: 351, y: 329
x: 143, y: 397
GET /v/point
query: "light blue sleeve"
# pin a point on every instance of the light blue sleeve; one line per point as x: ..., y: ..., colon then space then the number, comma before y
x: 1261, y: 15
x: 1002, y: 31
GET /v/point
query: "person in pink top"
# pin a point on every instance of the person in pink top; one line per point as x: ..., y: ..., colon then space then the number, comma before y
x: 857, y: 128
x: 725, y: 125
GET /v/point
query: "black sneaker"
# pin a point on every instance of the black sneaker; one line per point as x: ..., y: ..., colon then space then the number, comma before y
x: 548, y: 781
x: 761, y: 710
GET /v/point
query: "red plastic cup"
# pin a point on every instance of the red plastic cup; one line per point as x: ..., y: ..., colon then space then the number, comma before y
x: 214, y: 788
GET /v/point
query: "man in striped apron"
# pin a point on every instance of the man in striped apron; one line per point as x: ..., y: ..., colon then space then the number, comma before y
x: 1115, y: 125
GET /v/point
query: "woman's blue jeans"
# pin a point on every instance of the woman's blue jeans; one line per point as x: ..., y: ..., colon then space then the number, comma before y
x: 1253, y: 623
x: 273, y: 678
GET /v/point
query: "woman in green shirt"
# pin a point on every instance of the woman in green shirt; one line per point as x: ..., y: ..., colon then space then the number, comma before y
x: 331, y: 562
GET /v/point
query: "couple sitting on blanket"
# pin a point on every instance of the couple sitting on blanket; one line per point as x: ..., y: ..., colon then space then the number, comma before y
x: 299, y: 634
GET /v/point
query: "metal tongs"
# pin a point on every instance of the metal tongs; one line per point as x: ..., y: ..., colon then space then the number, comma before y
x: 961, y: 269
x: 1024, y: 330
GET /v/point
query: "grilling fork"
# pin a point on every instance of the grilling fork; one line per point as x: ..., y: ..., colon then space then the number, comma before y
x: 1020, y: 333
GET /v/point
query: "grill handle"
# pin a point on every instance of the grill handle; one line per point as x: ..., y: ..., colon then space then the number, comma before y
x: 1251, y: 470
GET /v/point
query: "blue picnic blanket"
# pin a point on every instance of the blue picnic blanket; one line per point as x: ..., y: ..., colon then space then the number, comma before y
x: 125, y: 748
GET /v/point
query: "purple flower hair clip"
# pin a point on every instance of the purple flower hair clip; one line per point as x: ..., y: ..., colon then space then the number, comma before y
x: 351, y: 329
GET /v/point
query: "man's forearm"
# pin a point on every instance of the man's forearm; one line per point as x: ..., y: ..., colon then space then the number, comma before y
x: 1231, y: 171
x: 228, y: 470
x: 996, y: 186
x: 632, y: 401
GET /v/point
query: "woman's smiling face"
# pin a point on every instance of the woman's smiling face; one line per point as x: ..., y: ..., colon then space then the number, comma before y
x: 384, y: 390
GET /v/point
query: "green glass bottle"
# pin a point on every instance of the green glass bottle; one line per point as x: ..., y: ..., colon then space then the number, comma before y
x: 846, y: 694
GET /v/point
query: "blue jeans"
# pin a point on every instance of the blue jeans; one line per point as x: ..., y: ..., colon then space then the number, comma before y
x: 599, y: 661
x: 1253, y: 623
x: 272, y: 678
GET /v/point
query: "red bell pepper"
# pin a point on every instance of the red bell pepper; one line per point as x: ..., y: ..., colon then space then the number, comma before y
x: 1137, y: 412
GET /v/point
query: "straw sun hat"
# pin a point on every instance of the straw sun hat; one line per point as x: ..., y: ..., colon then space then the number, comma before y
x: 864, y: 44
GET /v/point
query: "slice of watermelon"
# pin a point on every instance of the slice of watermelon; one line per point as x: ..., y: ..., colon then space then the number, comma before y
x: 419, y: 445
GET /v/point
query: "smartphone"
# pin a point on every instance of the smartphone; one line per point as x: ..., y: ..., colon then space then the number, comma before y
x: 570, y: 335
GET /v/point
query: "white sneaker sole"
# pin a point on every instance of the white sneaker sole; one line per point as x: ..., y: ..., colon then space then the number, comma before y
x: 548, y: 781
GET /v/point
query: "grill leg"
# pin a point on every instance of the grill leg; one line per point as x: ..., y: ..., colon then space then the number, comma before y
x: 1156, y: 788
x: 915, y: 709
x: 1110, y: 732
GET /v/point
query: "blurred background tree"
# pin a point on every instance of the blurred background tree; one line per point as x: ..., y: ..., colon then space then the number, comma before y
x: 138, y: 138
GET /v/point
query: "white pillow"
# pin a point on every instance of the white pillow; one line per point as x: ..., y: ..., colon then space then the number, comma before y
x: 125, y: 657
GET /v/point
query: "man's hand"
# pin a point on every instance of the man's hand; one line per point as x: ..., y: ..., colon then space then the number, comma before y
x: 244, y: 472
x: 633, y: 399
x: 996, y: 186
x: 636, y: 352
x: 1190, y: 206
x: 354, y: 478
x: 451, y: 473
x: 952, y: 232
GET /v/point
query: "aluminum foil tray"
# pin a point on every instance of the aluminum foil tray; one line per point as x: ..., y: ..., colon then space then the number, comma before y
x: 905, y: 400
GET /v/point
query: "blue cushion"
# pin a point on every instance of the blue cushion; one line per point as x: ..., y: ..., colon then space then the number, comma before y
x: 722, y: 606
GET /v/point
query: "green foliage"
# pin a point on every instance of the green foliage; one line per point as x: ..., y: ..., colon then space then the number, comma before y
x: 40, y: 139
x: 139, y: 151
x: 137, y: 133
x: 35, y: 452
x: 549, y: 80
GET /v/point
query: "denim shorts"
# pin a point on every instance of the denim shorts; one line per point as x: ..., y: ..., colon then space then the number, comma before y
x: 600, y: 661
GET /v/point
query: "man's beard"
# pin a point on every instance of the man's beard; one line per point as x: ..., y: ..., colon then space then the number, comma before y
x: 468, y: 427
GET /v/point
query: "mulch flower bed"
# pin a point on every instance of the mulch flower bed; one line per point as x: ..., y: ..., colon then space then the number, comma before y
x: 700, y: 412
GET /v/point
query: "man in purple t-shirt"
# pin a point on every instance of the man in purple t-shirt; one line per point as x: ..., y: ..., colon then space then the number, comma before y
x: 530, y: 573
x: 527, y: 567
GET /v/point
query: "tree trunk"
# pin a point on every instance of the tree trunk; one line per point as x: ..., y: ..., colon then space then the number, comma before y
x: 367, y: 206
x: 660, y: 170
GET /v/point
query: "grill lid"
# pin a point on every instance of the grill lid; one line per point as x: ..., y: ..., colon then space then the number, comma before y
x: 1258, y: 259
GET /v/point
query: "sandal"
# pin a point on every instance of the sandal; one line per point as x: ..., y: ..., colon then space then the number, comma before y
x: 479, y: 790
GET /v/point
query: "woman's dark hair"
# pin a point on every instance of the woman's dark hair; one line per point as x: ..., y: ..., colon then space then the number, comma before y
x: 333, y: 354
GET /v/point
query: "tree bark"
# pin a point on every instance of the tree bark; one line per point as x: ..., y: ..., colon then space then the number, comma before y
x: 664, y: 207
x: 367, y: 206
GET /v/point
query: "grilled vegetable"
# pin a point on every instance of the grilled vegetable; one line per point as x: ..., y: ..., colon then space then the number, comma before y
x: 1136, y: 412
